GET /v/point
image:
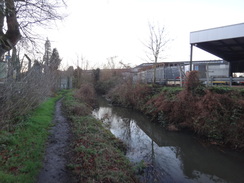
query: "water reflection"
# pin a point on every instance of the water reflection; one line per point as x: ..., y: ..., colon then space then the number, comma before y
x: 170, y: 157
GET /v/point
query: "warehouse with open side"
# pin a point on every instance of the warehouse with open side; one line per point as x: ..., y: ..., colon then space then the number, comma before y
x: 225, y: 42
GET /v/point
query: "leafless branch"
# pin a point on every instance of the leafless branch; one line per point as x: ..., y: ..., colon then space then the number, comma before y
x: 22, y: 16
x: 156, y: 44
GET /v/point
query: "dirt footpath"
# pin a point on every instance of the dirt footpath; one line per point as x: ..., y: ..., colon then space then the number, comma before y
x: 54, y: 167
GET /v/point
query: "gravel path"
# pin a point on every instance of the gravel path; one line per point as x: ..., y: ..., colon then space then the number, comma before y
x: 54, y: 167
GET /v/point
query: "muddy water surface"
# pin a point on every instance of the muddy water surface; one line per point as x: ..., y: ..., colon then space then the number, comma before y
x: 170, y: 156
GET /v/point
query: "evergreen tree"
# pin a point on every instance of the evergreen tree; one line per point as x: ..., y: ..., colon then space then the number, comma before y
x: 47, y: 54
x: 55, y: 60
x: 96, y: 75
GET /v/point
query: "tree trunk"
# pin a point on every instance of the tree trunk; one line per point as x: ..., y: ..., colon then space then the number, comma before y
x: 12, y: 35
x: 29, y: 62
x: 154, y: 72
x: 1, y: 16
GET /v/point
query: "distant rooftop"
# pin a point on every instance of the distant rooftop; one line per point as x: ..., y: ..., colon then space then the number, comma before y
x: 174, y: 63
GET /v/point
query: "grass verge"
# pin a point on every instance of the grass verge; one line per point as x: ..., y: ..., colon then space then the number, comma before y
x: 22, y: 149
x: 98, y: 156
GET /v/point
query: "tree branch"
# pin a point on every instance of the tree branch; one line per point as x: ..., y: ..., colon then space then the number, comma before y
x: 1, y: 17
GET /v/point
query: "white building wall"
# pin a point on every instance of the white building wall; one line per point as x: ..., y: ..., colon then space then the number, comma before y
x: 221, y: 70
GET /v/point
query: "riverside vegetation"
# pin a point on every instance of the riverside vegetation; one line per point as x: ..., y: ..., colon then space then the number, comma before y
x: 97, y: 155
x: 214, y: 113
x: 22, y: 147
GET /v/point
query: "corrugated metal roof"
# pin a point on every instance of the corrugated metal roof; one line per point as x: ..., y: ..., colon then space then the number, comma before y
x: 219, y: 33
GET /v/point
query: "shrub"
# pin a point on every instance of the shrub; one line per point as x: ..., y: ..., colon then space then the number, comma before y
x: 18, y: 98
x: 130, y: 95
x: 73, y: 107
x: 86, y: 94
x: 218, y: 117
x: 192, y: 81
x: 193, y: 84
x: 221, y: 90
x: 215, y: 113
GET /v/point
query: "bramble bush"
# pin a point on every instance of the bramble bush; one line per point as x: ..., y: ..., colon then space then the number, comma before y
x: 130, y: 95
x: 86, y: 94
x: 211, y: 113
x: 214, y: 113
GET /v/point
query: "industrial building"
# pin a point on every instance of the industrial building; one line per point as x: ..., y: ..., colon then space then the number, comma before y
x: 226, y: 42
x: 172, y: 72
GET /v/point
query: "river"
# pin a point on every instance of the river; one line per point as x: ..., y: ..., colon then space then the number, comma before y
x: 169, y: 156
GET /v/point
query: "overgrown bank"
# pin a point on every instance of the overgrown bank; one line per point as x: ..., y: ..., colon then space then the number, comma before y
x: 22, y: 147
x: 98, y: 156
x: 215, y: 113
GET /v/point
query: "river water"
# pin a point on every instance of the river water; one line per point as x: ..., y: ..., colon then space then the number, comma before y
x: 169, y: 156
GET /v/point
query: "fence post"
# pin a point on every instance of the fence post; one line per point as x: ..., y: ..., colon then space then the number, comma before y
x: 181, y: 75
x: 211, y: 81
x: 230, y: 81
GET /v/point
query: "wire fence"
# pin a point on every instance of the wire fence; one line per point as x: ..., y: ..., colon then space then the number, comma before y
x: 19, y: 96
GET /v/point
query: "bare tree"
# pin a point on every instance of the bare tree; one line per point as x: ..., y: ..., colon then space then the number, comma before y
x: 115, y: 62
x: 17, y: 18
x: 12, y: 35
x: 156, y: 45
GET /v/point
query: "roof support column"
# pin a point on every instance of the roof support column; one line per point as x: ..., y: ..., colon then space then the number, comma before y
x: 230, y: 69
x: 191, y: 57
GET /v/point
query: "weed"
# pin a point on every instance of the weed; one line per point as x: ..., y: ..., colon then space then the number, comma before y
x: 130, y: 95
x: 220, y: 90
x: 86, y: 94
x: 139, y: 167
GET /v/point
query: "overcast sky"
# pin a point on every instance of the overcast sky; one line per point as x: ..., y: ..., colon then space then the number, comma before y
x: 99, y: 29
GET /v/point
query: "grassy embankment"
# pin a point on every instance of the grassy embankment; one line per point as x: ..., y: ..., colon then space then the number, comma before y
x: 214, y: 113
x: 98, y: 156
x: 22, y: 149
